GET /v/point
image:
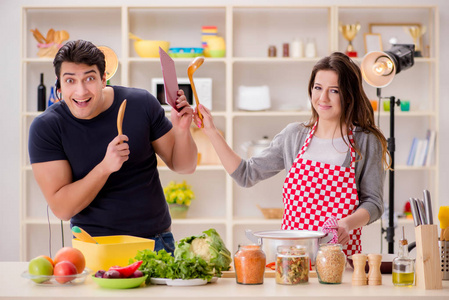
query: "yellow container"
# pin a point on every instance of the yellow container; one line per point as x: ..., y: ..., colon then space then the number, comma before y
x: 111, y: 250
x: 149, y: 48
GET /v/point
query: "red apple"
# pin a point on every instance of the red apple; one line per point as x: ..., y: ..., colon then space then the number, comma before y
x: 64, y: 268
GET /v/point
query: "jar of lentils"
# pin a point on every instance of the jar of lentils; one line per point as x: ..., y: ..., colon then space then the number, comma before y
x: 330, y: 263
x: 292, y: 265
x: 249, y: 264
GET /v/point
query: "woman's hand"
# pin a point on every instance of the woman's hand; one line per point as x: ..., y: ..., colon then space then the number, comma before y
x: 207, y: 119
x: 183, y: 117
x: 343, y: 232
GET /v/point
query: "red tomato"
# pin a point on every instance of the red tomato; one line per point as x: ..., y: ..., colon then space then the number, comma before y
x: 64, y: 268
x: 127, y: 271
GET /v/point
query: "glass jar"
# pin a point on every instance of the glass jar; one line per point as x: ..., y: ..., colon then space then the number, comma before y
x: 330, y: 263
x: 249, y: 264
x: 292, y: 265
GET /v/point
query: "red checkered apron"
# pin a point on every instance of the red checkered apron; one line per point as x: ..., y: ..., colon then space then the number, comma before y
x: 314, y: 191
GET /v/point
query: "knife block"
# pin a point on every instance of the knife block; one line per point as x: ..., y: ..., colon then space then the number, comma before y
x: 427, y: 265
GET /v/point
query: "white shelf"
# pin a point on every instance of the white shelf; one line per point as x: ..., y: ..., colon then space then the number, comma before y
x: 221, y: 203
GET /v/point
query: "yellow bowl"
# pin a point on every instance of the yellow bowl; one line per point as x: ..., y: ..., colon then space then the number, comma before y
x: 111, y: 251
x: 149, y: 48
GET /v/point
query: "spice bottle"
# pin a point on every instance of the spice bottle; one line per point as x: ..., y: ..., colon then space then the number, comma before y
x: 403, y: 272
x: 249, y: 264
x: 292, y: 265
x: 330, y: 263
x: 272, y: 51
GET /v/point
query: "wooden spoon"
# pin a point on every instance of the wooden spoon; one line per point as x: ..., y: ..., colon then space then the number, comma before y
x: 134, y: 37
x: 38, y: 36
x: 121, y: 114
x: 195, y: 64
x: 63, y: 36
x: 50, y: 36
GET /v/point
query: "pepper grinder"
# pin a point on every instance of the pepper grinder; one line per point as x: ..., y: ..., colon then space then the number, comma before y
x: 359, y: 275
x: 374, y: 276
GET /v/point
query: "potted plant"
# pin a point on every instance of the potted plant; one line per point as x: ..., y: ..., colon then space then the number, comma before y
x: 179, y: 197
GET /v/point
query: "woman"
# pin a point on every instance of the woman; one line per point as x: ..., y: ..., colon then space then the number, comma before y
x: 335, y: 163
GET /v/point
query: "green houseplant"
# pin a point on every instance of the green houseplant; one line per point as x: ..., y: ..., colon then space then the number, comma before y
x: 179, y: 197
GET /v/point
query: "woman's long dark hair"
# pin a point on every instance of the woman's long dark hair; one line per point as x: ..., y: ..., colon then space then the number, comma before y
x: 356, y: 109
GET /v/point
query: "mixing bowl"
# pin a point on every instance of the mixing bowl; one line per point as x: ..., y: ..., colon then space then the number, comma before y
x: 150, y: 48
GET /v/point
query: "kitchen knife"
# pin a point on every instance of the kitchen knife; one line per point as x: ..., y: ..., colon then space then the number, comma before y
x: 428, y: 207
x: 415, y: 213
x: 422, y: 214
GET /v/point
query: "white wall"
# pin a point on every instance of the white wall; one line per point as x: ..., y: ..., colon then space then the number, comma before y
x: 10, y: 22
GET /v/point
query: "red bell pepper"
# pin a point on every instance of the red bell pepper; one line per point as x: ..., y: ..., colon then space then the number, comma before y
x: 127, y: 271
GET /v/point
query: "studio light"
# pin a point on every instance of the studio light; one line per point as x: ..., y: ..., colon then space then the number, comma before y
x: 378, y: 70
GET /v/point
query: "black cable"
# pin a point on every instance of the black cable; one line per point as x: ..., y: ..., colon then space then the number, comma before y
x: 49, y: 232
x: 62, y: 234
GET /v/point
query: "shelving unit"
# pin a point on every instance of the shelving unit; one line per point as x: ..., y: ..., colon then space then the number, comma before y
x: 248, y: 31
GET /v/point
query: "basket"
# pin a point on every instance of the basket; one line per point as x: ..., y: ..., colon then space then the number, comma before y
x: 272, y: 212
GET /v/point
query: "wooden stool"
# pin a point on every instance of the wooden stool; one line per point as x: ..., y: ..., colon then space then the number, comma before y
x: 359, y: 275
x: 374, y: 276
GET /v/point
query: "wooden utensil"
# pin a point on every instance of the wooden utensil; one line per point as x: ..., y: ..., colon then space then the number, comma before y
x: 50, y: 36
x: 63, y: 36
x: 82, y: 235
x: 194, y: 65
x: 38, y: 36
x: 121, y: 114
x: 134, y: 37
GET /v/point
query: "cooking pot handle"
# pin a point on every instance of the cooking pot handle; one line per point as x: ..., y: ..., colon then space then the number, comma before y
x: 249, y: 234
x: 327, y: 238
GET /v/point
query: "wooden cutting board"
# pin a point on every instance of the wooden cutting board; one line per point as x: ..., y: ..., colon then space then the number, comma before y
x: 269, y: 273
x: 205, y: 148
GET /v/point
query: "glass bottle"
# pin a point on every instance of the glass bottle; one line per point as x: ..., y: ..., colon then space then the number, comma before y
x: 52, y: 98
x: 403, y: 272
x: 249, y: 264
x: 41, y: 94
x: 330, y: 263
x: 292, y: 265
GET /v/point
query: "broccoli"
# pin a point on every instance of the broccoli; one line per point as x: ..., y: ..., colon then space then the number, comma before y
x: 209, y: 246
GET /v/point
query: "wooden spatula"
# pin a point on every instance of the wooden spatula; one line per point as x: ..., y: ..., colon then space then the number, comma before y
x: 121, y: 114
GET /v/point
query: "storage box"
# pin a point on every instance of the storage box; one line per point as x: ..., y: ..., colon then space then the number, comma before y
x: 111, y: 250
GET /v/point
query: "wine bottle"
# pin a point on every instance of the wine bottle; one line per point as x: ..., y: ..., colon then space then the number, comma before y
x: 41, y: 94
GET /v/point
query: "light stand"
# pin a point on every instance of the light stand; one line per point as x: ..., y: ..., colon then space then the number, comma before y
x: 378, y: 70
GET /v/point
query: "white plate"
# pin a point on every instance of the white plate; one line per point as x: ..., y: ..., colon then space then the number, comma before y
x: 213, y: 280
x: 158, y: 280
x: 186, y: 282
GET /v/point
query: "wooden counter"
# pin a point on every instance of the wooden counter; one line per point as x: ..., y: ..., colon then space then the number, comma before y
x: 12, y: 285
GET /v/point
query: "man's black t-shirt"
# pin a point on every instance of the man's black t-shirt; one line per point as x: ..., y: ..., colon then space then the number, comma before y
x: 132, y: 201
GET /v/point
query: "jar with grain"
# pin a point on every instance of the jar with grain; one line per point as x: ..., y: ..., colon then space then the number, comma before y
x: 249, y: 264
x: 292, y: 265
x: 330, y: 263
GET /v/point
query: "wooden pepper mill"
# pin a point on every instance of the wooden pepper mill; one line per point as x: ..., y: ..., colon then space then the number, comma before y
x: 359, y: 275
x: 374, y: 276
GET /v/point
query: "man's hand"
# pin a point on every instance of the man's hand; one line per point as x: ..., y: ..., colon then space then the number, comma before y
x: 116, y: 154
x: 183, y: 117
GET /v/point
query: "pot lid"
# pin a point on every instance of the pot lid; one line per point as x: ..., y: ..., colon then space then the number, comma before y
x: 288, y: 234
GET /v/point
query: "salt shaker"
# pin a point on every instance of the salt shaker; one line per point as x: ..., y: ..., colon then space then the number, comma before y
x: 359, y: 275
x: 374, y: 275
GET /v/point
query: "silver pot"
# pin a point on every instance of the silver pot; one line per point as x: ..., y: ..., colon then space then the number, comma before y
x: 271, y: 239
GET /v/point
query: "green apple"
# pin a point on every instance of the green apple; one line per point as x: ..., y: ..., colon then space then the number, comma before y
x: 40, y: 266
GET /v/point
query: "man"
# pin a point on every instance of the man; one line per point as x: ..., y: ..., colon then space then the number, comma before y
x: 105, y: 183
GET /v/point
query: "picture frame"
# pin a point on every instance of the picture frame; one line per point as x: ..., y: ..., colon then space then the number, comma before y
x: 393, y: 33
x: 373, y: 42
